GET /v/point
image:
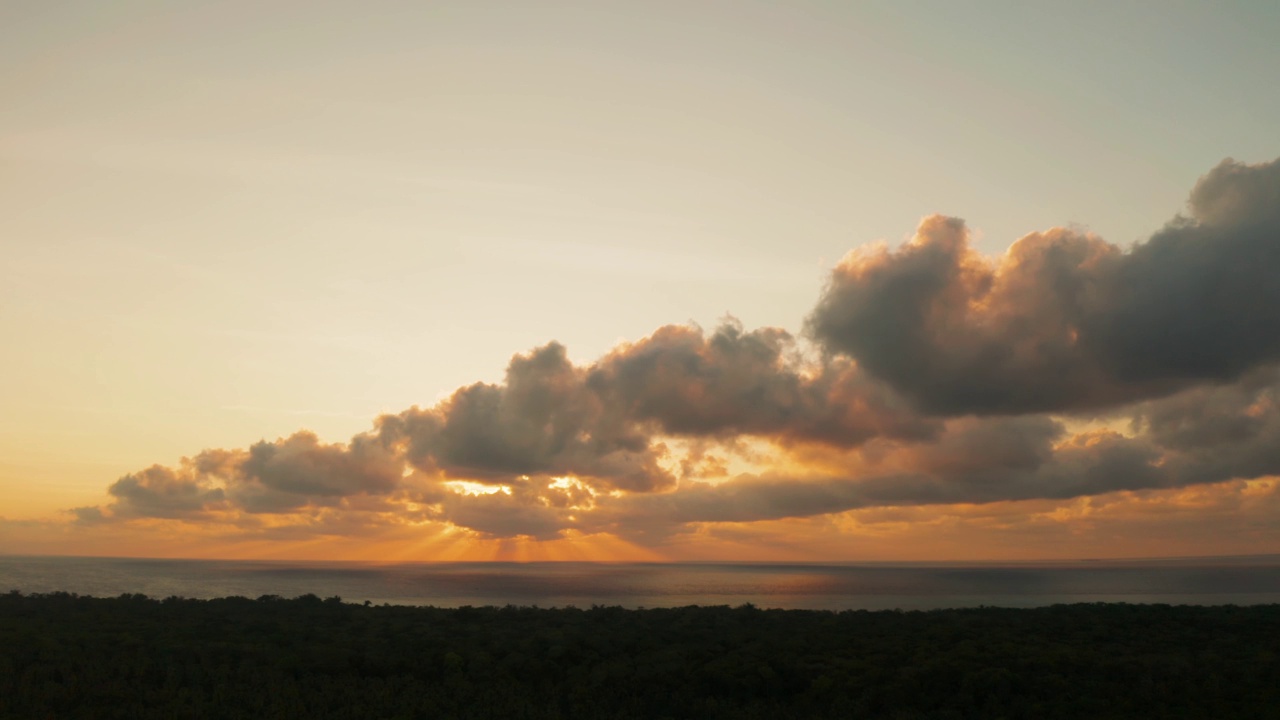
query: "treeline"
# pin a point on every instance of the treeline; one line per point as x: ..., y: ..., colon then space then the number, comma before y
x: 68, y: 656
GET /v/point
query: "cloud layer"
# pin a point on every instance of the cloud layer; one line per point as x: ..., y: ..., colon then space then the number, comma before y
x: 930, y: 376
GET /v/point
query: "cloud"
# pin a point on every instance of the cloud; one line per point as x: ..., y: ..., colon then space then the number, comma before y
x: 1215, y: 433
x: 502, y: 515
x: 1229, y: 518
x: 601, y: 423
x: 940, y: 379
x: 89, y: 515
x: 735, y: 382
x: 1201, y: 436
x: 1065, y: 321
x: 285, y: 475
x: 162, y: 492
x: 974, y: 461
x: 1213, y: 416
x: 542, y: 421
x: 299, y: 470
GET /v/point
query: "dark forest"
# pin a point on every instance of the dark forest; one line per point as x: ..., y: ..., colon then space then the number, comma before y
x: 69, y: 656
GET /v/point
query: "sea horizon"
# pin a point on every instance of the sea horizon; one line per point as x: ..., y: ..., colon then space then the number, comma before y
x: 1275, y: 557
x: 837, y: 585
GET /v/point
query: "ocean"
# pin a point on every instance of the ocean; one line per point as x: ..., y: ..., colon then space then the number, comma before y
x: 1248, y: 580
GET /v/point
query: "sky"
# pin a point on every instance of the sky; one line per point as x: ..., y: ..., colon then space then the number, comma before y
x: 802, y: 281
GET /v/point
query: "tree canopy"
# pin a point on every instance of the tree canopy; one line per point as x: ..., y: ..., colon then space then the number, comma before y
x: 69, y: 656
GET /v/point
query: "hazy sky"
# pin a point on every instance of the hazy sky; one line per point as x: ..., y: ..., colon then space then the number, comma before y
x: 225, y: 223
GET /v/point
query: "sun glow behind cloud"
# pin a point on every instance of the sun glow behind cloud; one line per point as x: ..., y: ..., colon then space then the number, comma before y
x: 466, y: 487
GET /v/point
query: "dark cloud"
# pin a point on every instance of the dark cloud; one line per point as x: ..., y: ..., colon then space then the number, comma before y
x: 735, y: 382
x: 503, y: 515
x: 990, y: 460
x: 1211, y: 417
x: 974, y: 461
x: 541, y: 421
x: 975, y: 447
x: 1066, y: 321
x: 1216, y: 433
x: 291, y: 473
x: 91, y: 515
x: 300, y: 470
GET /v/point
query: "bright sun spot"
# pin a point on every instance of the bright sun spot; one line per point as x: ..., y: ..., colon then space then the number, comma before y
x: 466, y: 487
x: 565, y: 483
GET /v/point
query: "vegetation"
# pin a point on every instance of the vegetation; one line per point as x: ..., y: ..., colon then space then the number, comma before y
x: 67, y: 656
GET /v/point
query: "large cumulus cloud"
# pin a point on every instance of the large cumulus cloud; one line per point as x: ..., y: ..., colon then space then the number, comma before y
x: 1066, y: 368
x: 1066, y: 321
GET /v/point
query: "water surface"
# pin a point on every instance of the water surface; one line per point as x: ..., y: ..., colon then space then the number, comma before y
x: 873, y: 586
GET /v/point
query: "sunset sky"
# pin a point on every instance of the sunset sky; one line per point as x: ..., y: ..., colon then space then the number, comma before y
x: 802, y: 281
